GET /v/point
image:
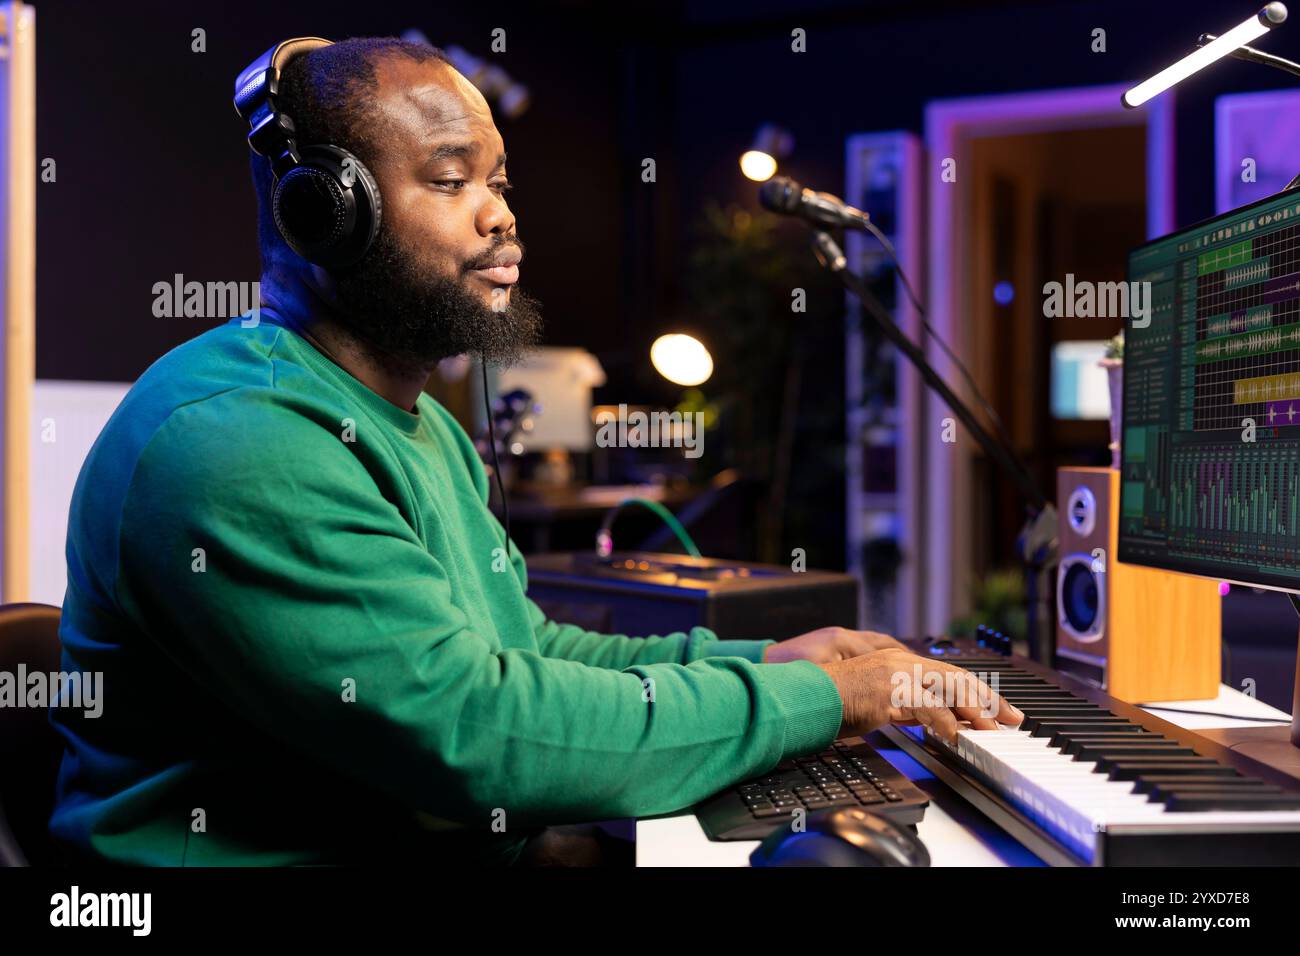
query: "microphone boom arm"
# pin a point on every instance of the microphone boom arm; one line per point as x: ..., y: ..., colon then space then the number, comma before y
x: 1037, y: 543
x: 994, y: 448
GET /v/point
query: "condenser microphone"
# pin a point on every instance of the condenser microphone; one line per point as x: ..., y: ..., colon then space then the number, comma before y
x: 783, y: 195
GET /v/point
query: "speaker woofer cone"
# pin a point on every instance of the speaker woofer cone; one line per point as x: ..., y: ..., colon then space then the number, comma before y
x: 1080, y: 598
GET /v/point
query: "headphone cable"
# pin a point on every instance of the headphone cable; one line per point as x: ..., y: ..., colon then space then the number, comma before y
x: 496, y: 463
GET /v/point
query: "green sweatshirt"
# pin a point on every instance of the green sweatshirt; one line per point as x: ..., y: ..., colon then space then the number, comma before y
x: 314, y: 648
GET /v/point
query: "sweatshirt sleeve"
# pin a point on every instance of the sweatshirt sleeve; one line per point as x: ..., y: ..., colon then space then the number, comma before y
x: 571, y: 643
x: 272, y: 569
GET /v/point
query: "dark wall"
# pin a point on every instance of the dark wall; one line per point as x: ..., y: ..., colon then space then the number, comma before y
x: 874, y: 66
x: 152, y: 169
x: 152, y: 175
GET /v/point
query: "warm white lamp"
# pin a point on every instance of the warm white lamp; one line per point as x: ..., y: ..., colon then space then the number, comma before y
x: 771, y: 143
x: 682, y: 359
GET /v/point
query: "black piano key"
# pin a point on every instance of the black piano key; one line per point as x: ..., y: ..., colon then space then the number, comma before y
x: 1045, y: 708
x: 1069, y: 725
x: 1156, y: 761
x: 1165, y: 791
x: 1232, y: 800
x: 1033, y: 720
x: 1010, y: 674
x: 1008, y: 678
x: 1068, y: 707
x: 1136, y: 769
x: 1079, y: 742
x: 989, y: 662
x: 1030, y: 700
x: 1039, y: 709
x: 1059, y: 737
x: 1099, y: 752
x: 1155, y: 781
x: 1004, y: 687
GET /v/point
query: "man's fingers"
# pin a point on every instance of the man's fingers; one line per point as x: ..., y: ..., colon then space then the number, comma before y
x: 973, y: 699
x: 935, y: 714
x: 855, y: 643
x: 880, y: 641
x: 943, y: 723
x: 1008, y: 713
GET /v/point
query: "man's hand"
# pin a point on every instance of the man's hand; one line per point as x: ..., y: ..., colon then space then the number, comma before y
x: 827, y: 644
x: 894, y: 686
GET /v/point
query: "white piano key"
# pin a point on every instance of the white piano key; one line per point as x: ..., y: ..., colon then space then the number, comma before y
x: 1070, y: 799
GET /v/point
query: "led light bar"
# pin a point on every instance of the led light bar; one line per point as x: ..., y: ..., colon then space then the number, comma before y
x: 1271, y: 16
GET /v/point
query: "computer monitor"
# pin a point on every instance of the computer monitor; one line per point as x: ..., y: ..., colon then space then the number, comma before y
x: 1210, y: 479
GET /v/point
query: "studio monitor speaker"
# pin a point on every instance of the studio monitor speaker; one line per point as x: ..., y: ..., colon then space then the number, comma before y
x: 1140, y: 633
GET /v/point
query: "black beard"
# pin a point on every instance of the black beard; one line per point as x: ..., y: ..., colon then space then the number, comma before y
x: 411, y: 318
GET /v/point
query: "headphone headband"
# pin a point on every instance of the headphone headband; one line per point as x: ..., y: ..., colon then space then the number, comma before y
x: 325, y: 203
x: 271, y: 133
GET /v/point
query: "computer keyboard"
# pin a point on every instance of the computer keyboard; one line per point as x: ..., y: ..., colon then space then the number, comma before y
x: 849, y: 774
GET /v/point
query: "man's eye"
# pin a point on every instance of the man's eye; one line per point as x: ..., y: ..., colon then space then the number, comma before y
x: 453, y: 184
x: 504, y: 186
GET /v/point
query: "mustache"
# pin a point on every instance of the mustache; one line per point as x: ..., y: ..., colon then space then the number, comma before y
x: 487, y: 258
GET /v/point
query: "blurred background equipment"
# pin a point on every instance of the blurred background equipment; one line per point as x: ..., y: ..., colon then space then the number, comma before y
x: 512, y: 420
x: 649, y: 593
x: 884, y: 547
x: 605, y: 536
x: 511, y: 98
x: 559, y: 382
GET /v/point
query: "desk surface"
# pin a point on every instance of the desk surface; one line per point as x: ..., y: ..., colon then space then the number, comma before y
x: 953, y: 831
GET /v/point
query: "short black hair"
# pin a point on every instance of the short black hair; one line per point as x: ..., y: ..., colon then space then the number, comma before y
x: 327, y: 94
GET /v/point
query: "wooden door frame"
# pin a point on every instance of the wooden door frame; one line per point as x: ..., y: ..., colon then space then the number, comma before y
x: 950, y: 125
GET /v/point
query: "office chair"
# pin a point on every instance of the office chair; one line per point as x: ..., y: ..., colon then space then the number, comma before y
x: 30, y: 748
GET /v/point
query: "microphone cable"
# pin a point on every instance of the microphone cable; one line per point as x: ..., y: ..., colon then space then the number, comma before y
x: 916, y: 302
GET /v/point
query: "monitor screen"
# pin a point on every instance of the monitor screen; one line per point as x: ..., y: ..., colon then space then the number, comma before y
x: 1211, y: 436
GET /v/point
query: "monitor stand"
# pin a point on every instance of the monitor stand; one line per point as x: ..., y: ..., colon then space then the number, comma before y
x: 1277, y: 747
x: 1270, y: 746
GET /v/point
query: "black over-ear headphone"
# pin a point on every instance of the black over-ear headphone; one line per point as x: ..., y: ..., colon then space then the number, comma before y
x: 325, y: 204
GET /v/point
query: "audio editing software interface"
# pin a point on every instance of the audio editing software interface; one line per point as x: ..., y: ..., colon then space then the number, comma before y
x: 1211, y: 439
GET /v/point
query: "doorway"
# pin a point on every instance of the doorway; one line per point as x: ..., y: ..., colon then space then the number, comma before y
x: 1041, y: 185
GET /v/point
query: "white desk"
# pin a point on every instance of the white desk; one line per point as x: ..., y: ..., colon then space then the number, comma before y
x: 953, y: 831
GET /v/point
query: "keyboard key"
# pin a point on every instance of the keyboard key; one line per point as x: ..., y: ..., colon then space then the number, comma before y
x: 1132, y: 770
x: 1231, y: 800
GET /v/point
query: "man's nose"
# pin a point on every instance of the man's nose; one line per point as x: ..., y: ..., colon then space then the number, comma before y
x: 494, y: 217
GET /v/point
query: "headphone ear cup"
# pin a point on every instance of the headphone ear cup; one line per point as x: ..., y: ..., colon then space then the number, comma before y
x: 328, y: 208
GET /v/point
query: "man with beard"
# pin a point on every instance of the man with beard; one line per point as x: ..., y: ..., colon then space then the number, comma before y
x: 316, y: 643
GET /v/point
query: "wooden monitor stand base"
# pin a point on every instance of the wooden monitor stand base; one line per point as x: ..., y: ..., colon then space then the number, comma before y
x: 1268, y: 745
x: 1278, y: 746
